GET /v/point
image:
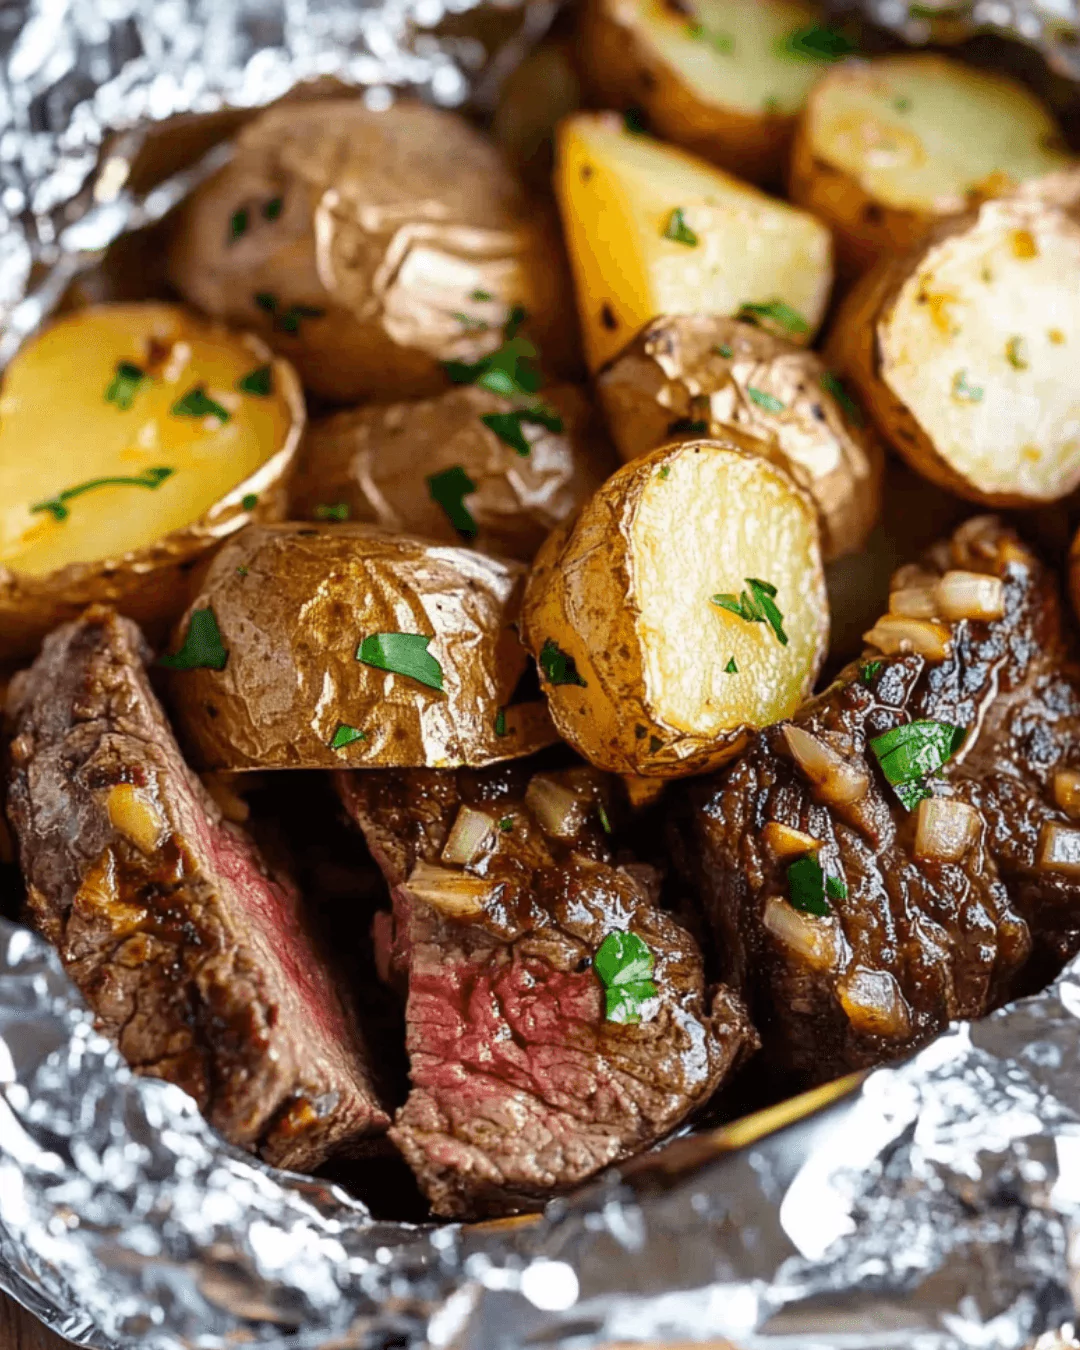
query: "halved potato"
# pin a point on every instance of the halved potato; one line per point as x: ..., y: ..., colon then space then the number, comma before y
x: 341, y: 646
x: 724, y: 78
x: 369, y: 247
x: 695, y: 375
x: 435, y: 468
x: 888, y: 147
x: 652, y: 230
x: 966, y: 353
x: 133, y: 440
x: 684, y: 607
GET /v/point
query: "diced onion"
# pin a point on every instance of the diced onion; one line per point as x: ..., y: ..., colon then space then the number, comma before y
x: 472, y: 829
x: 893, y: 633
x: 1067, y: 791
x: 874, y: 1004
x: 1059, y: 849
x: 837, y: 779
x: 970, y: 595
x: 945, y: 829
x: 913, y: 602
x: 783, y: 841
x: 814, y: 941
x: 558, y: 810
x: 455, y: 894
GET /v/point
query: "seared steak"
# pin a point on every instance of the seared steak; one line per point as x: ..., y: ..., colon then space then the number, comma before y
x: 520, y: 1086
x: 193, y: 957
x: 945, y: 906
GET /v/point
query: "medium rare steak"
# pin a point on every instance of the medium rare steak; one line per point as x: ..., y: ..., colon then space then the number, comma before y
x: 951, y: 906
x: 192, y: 956
x: 503, y: 890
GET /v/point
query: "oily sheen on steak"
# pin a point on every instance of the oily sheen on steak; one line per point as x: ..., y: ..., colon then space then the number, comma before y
x: 520, y: 1086
x: 192, y: 956
x: 949, y: 909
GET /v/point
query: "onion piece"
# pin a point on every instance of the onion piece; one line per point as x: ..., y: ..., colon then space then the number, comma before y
x: 455, y: 894
x: 1059, y: 849
x: 874, y: 1004
x: 1067, y: 791
x: 914, y: 602
x: 558, y: 810
x: 815, y: 942
x: 837, y: 779
x: 945, y: 829
x: 472, y: 829
x: 783, y: 841
x: 893, y: 633
x: 970, y: 595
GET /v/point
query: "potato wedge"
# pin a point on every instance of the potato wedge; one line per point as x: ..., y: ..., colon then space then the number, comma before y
x: 308, y: 647
x: 723, y: 78
x: 133, y: 440
x: 696, y: 375
x: 685, y: 606
x: 369, y: 247
x: 651, y: 230
x: 434, y: 468
x: 966, y: 353
x: 886, y: 148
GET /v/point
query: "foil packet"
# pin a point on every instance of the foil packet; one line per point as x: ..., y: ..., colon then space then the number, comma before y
x: 921, y: 1207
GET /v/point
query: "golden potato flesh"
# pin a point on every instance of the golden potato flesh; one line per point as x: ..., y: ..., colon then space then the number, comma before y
x: 369, y: 247
x: 684, y: 606
x: 967, y: 353
x: 435, y: 468
x: 342, y: 646
x: 888, y: 147
x: 652, y: 230
x: 695, y: 375
x: 132, y: 438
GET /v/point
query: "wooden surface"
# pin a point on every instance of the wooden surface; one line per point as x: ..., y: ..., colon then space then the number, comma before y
x: 20, y: 1331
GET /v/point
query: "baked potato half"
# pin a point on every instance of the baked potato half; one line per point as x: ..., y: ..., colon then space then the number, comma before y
x: 133, y: 439
x: 684, y: 607
x: 692, y: 374
x: 653, y: 230
x: 723, y: 78
x: 341, y: 646
x: 887, y: 148
x: 466, y: 467
x: 370, y: 247
x: 966, y: 353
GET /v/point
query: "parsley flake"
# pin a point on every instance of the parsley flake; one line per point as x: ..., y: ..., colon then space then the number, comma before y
x: 677, y: 229
x: 832, y: 384
x: 470, y: 321
x: 721, y: 42
x: 259, y: 382
x: 774, y: 313
x: 508, y: 426
x: 338, y: 511
x: 402, y: 654
x: 731, y: 668
x: 815, y: 43
x: 634, y: 121
x: 125, y: 384
x: 868, y: 670
x: 624, y: 965
x: 272, y: 209
x: 605, y: 823
x: 687, y: 426
x: 449, y: 489
x: 238, y: 223
x: 1016, y: 353
x: 506, y: 824
x: 724, y: 350
x: 203, y: 648
x: 481, y: 296
x: 508, y: 370
x: 558, y: 666
x: 500, y: 722
x: 769, y: 402
x: 806, y: 887
x: 967, y: 393
x: 198, y: 403
x: 910, y: 753
x: 836, y: 888
x: 57, y: 506
x: 346, y: 735
x: 249, y: 501
x: 758, y: 605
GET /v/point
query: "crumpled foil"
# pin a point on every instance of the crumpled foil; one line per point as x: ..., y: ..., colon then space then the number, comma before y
x: 927, y: 1206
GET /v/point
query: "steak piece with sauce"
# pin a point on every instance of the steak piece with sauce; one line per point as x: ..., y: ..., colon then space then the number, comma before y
x: 951, y: 908
x: 193, y: 957
x: 504, y: 887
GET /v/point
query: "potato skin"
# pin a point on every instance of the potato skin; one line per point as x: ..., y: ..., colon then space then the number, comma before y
x: 384, y: 227
x: 292, y: 603
x: 376, y: 461
x: 674, y: 379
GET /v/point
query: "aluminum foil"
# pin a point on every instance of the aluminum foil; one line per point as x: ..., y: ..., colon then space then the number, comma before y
x: 931, y: 1205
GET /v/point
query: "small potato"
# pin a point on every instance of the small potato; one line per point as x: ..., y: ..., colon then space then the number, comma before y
x: 340, y: 646
x: 724, y: 78
x: 651, y: 230
x: 684, y: 607
x: 966, y: 353
x: 696, y: 375
x: 435, y: 468
x: 133, y: 440
x: 886, y: 148
x: 370, y: 247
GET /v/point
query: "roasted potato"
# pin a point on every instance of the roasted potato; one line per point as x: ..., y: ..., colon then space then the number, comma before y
x: 886, y: 148
x: 724, y: 78
x: 696, y: 375
x: 308, y: 647
x: 435, y: 468
x: 369, y: 247
x: 133, y: 440
x: 684, y: 606
x: 966, y: 353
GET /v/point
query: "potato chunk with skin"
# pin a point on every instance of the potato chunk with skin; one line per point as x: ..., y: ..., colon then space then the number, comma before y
x: 652, y: 230
x: 646, y: 672
x: 695, y: 374
x: 967, y: 352
x: 723, y: 78
x: 436, y: 469
x: 887, y: 148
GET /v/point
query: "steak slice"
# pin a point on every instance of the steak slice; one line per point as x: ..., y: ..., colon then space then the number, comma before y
x: 521, y: 1089
x: 918, y: 939
x: 192, y: 956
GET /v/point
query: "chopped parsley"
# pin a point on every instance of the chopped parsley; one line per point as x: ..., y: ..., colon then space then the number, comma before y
x: 724, y: 350
x: 721, y: 42
x: 967, y: 393
x: 338, y: 511
x: 731, y: 668
x: 677, y: 229
x: 346, y: 735
x: 470, y: 321
x: 238, y: 223
x: 1016, y: 353
x: 774, y: 313
x: 832, y: 384
x: 508, y: 426
x: 57, y: 506
x: 500, y: 722
x: 481, y: 296
x: 769, y: 402
x: 624, y: 965
x: 241, y: 571
x: 203, y: 648
x: 402, y: 654
x: 508, y: 370
x: 125, y: 384
x: 272, y: 209
x: 757, y: 605
x: 259, y: 382
x: 665, y: 470
x: 249, y: 501
x: 806, y: 887
x: 449, y: 489
x: 836, y: 888
x: 868, y: 670
x: 287, y: 320
x: 909, y: 754
x: 601, y: 812
x: 634, y: 121
x: 506, y: 824
x: 816, y: 43
x: 902, y: 104
x: 198, y: 403
x: 687, y: 426
x: 558, y: 667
